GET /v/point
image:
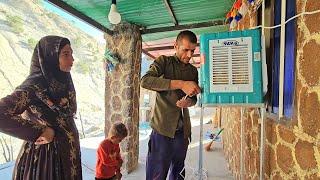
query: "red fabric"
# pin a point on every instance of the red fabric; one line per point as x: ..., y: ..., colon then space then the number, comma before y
x: 108, y: 159
x: 238, y: 4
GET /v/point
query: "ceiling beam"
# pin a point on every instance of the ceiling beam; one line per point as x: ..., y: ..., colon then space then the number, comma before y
x: 169, y: 8
x: 80, y: 15
x: 144, y: 51
x: 181, y: 27
x: 148, y: 54
x: 157, y: 48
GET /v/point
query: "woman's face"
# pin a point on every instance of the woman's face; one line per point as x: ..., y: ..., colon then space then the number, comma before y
x: 66, y: 58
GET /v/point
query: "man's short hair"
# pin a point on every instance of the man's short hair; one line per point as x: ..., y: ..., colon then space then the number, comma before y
x: 119, y: 129
x: 189, y: 35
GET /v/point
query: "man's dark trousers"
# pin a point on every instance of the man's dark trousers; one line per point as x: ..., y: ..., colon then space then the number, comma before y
x: 166, y: 153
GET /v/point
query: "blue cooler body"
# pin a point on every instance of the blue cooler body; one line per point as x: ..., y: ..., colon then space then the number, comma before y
x: 231, y: 70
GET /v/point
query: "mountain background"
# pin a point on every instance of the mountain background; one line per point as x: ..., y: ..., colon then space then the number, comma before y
x: 22, y: 24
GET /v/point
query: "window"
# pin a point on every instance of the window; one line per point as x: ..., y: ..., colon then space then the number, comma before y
x: 273, y: 57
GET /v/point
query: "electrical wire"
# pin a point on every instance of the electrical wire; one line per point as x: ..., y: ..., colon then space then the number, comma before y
x: 194, y: 171
x: 90, y: 169
x: 290, y: 19
x: 5, y: 167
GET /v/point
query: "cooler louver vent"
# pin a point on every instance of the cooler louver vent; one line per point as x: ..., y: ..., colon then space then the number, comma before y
x: 230, y: 65
x: 240, y: 64
x: 220, y: 65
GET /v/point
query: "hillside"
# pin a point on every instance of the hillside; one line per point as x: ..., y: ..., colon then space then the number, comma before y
x: 21, y: 26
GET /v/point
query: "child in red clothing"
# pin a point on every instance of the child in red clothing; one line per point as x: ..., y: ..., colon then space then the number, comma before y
x: 108, y: 154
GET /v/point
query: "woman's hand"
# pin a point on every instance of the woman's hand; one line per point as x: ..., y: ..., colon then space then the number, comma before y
x: 46, y: 136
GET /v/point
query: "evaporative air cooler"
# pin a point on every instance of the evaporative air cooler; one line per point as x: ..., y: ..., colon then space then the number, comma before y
x: 231, y: 73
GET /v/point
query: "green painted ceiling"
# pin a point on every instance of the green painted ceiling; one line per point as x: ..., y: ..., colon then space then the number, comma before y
x: 154, y: 13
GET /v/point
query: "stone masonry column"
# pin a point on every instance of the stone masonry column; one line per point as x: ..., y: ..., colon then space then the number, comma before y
x: 122, y: 89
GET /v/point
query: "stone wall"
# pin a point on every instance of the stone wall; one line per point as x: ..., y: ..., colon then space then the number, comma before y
x: 122, y: 89
x: 292, y: 147
x: 230, y: 121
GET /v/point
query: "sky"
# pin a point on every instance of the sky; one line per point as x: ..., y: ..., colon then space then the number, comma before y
x: 76, y: 21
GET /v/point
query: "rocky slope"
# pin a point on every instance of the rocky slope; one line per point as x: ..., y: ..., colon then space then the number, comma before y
x: 22, y: 24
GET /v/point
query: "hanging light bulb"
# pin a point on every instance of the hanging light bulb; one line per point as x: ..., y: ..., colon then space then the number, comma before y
x: 114, y: 16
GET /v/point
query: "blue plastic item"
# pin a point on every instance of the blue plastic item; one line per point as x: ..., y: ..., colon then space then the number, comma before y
x: 231, y: 73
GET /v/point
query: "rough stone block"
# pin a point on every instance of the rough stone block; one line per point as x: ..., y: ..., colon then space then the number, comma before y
x: 116, y: 103
x: 310, y: 62
x: 305, y: 155
x: 309, y: 109
x: 284, y: 158
x: 312, y: 20
x: 286, y: 134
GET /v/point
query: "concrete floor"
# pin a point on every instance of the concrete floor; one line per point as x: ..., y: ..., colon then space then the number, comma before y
x: 213, y: 162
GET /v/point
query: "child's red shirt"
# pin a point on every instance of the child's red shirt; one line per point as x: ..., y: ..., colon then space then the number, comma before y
x: 108, y: 159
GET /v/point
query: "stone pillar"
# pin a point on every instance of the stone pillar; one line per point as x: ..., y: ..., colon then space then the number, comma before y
x: 122, y: 89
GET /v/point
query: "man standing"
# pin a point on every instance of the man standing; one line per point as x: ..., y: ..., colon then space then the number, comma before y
x: 176, y: 84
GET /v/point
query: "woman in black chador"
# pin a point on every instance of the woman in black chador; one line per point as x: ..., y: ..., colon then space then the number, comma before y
x: 40, y: 111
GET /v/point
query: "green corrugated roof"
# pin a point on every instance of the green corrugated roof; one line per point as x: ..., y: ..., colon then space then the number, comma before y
x: 198, y: 31
x: 153, y: 13
x: 199, y: 11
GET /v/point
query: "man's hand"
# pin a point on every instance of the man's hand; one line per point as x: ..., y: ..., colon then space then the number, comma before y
x: 190, y: 88
x: 46, y: 136
x: 184, y: 103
